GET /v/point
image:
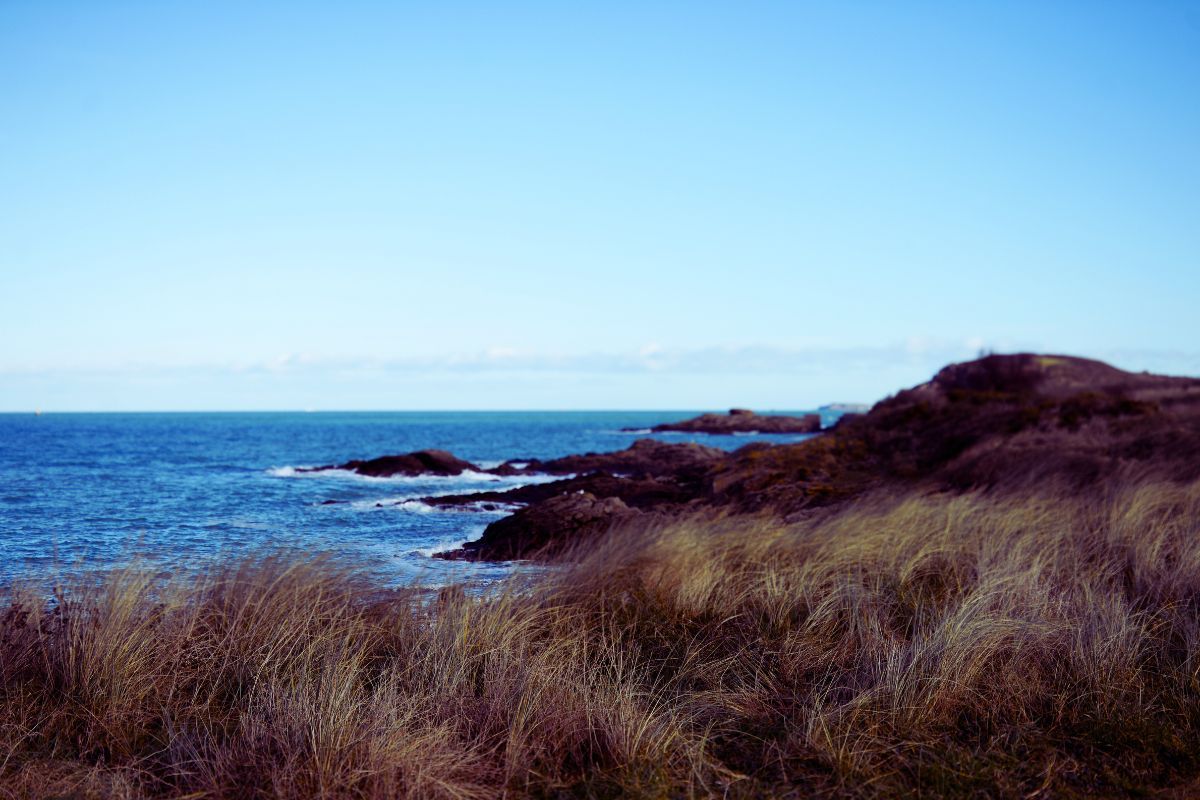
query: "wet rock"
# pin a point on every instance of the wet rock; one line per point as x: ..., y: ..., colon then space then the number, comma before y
x: 546, y: 529
x: 643, y: 493
x: 420, y: 462
x: 645, y: 457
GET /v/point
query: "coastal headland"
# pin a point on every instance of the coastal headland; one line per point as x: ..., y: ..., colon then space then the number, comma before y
x: 1002, y: 422
x: 742, y: 420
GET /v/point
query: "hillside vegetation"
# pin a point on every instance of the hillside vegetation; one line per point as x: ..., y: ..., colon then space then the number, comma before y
x: 940, y: 646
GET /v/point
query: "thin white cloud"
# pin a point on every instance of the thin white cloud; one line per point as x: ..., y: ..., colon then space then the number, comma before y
x: 651, y: 358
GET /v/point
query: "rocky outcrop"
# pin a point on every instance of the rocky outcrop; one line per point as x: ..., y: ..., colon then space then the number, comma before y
x: 563, y: 513
x: 997, y: 423
x: 546, y: 529
x: 420, y: 462
x: 1001, y: 423
x: 645, y: 457
x: 741, y: 420
x: 643, y: 493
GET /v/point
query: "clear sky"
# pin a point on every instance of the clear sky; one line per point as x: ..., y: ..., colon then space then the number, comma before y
x: 585, y: 205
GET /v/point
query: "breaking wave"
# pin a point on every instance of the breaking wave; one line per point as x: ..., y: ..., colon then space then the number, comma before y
x: 466, y: 478
x: 417, y: 506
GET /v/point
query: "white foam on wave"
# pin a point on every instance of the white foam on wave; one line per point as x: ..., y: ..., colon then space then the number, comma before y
x: 373, y: 503
x: 414, y: 507
x: 444, y: 546
x: 417, y: 506
x: 282, y: 472
x: 466, y: 477
x: 450, y: 543
x: 481, y: 507
x: 403, y: 503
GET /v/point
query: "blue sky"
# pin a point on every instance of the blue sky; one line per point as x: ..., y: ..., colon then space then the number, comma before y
x: 576, y: 205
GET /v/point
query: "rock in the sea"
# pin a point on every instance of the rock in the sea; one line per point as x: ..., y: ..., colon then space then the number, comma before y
x: 644, y: 458
x: 742, y: 420
x: 546, y: 529
x: 641, y: 493
x: 996, y: 423
x: 420, y: 462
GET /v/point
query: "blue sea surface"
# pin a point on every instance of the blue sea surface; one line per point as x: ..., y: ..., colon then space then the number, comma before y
x: 92, y: 491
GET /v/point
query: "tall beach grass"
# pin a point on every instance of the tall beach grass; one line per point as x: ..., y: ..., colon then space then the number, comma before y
x: 1041, y: 644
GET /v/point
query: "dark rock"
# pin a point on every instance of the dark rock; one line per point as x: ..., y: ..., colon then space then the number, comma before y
x: 741, y: 420
x: 546, y: 529
x: 421, y: 462
x: 642, y: 493
x: 846, y: 419
x: 645, y: 457
x: 1000, y: 423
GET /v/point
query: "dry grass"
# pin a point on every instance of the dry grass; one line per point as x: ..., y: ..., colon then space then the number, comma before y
x: 931, y: 646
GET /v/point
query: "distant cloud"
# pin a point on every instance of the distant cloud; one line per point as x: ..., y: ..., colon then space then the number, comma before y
x: 650, y: 358
x: 651, y: 376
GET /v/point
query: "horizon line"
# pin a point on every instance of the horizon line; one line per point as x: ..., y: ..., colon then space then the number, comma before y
x: 46, y: 412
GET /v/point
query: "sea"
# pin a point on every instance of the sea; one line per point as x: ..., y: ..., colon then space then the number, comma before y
x: 88, y: 492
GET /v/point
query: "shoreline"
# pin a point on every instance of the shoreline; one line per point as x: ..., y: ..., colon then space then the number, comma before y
x: 974, y: 425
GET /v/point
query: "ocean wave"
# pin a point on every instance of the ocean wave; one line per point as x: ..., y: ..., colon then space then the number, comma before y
x: 380, y: 503
x: 418, y: 506
x: 444, y: 546
x: 481, y: 507
x: 466, y: 477
x: 236, y: 524
x: 284, y: 472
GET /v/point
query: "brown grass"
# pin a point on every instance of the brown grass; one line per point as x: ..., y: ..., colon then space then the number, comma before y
x: 932, y: 646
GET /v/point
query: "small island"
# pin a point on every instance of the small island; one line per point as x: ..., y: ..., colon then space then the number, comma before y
x: 846, y: 408
x: 743, y: 420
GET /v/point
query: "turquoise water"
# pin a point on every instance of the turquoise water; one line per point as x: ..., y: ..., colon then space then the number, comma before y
x: 84, y: 491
